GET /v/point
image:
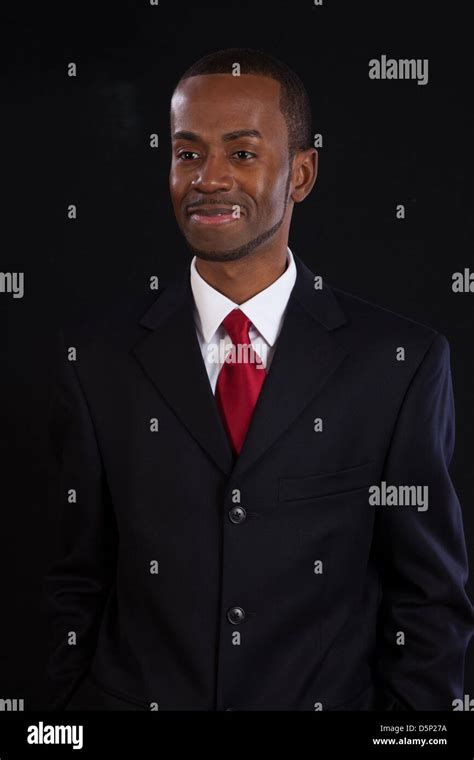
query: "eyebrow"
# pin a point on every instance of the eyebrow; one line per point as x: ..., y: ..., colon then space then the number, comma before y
x: 228, y: 137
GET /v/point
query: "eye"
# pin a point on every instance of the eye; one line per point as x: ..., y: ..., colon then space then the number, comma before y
x: 186, y: 153
x: 248, y: 153
x: 190, y: 155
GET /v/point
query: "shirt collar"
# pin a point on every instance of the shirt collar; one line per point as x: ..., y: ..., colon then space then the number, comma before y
x: 265, y: 310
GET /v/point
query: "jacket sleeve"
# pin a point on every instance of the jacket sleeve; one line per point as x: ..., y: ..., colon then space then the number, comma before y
x: 422, y: 552
x: 77, y: 583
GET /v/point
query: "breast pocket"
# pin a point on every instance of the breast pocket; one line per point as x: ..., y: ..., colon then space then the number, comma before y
x: 357, y: 477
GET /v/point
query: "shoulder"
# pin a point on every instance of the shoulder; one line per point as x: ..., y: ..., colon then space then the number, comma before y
x: 374, y: 326
x: 115, y: 325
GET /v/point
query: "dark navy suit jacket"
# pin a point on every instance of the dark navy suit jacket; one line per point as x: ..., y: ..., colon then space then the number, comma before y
x: 187, y: 580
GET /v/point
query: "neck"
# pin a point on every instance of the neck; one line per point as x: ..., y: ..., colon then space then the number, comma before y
x: 242, y: 279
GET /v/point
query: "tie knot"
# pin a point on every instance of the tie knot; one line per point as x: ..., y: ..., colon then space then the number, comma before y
x: 237, y: 325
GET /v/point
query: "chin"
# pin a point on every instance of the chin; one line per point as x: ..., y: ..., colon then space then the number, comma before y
x: 223, y: 250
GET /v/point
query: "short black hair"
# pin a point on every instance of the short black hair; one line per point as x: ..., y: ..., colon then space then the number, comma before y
x: 294, y: 100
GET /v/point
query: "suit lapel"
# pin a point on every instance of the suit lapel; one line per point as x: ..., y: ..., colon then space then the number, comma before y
x: 307, y: 353
x: 171, y: 357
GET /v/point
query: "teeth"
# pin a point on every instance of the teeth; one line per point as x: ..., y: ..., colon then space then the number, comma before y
x: 214, y: 213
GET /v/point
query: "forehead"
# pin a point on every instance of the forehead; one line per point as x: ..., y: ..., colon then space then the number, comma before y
x: 222, y: 103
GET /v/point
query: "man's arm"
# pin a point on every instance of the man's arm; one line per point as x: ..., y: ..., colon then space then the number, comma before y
x: 422, y: 554
x: 77, y: 584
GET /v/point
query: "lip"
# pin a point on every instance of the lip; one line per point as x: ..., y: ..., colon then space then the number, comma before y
x: 198, y: 218
x: 208, y: 210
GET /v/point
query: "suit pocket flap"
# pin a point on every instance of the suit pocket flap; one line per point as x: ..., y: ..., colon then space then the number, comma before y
x: 325, y: 484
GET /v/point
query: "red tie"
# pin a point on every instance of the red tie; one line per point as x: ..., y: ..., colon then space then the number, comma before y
x: 240, y: 380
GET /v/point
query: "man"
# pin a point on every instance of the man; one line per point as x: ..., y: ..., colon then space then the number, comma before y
x: 264, y: 529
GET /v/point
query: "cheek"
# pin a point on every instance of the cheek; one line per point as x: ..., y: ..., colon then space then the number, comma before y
x: 173, y: 179
x: 176, y: 186
x: 271, y: 194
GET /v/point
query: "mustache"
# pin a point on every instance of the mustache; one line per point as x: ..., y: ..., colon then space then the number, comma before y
x: 210, y: 201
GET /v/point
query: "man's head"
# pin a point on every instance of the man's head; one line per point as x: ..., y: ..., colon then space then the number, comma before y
x: 241, y: 145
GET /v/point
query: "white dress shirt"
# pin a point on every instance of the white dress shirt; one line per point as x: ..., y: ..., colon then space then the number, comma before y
x: 266, y: 311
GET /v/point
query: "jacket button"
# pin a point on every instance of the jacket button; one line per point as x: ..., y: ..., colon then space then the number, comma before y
x: 237, y: 515
x: 235, y: 615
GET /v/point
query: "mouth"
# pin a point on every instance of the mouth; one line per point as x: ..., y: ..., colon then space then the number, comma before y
x: 213, y: 216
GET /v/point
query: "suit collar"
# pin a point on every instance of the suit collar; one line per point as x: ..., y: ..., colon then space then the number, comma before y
x: 265, y: 309
x: 320, y: 304
x: 307, y: 353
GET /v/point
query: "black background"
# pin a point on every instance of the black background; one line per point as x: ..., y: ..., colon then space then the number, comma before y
x: 85, y: 140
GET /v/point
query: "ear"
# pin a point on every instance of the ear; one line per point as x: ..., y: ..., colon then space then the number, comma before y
x: 305, y: 171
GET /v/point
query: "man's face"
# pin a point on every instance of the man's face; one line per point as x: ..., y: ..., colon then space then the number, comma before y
x: 217, y: 170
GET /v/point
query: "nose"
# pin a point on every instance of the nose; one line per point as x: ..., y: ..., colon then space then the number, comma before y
x: 212, y: 175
